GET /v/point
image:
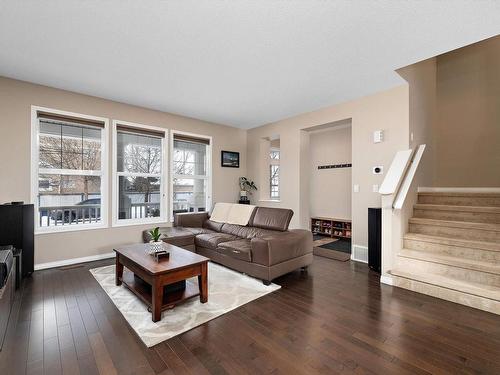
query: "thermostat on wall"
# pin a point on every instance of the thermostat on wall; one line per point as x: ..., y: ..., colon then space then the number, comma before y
x: 379, y: 169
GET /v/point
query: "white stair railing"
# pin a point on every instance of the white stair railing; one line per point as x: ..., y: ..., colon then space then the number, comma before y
x: 394, y: 177
x: 408, y: 179
x: 400, y: 175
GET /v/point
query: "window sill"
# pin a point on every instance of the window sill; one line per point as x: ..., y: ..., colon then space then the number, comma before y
x: 67, y: 229
x: 129, y: 223
x: 270, y: 200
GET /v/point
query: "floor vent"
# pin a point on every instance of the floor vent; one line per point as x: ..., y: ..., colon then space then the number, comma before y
x: 360, y: 253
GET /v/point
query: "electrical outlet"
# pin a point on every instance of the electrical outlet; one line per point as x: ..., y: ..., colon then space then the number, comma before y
x: 356, y: 188
x: 375, y: 188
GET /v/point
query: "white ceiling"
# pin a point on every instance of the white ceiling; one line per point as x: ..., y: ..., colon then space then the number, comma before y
x: 240, y: 63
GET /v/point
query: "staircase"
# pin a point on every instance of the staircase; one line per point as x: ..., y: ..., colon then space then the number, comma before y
x: 452, y: 250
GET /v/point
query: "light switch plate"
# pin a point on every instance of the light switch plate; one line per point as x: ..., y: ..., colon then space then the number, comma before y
x: 378, y: 136
x: 356, y: 188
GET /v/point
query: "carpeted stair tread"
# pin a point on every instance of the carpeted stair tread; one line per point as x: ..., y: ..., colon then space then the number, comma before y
x: 449, y: 260
x: 459, y: 194
x: 480, y: 290
x: 455, y: 224
x: 447, y: 207
x: 448, y: 241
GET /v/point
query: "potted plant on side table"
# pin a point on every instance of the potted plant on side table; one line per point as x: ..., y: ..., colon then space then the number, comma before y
x: 246, y: 187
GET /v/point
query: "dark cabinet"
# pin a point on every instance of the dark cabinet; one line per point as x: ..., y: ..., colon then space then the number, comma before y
x: 17, y: 228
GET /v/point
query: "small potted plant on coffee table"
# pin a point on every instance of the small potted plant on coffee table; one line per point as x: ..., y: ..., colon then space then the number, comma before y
x: 155, y: 244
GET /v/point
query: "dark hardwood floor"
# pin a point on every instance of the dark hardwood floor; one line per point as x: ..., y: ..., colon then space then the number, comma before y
x: 335, y: 319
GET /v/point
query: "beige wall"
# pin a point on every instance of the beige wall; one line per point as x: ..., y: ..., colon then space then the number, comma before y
x: 468, y: 129
x: 387, y: 110
x: 16, y: 97
x: 421, y: 78
x: 455, y: 111
x: 330, y: 189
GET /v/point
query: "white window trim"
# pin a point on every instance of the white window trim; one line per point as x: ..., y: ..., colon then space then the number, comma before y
x: 172, y: 176
x: 162, y: 219
x: 35, y: 126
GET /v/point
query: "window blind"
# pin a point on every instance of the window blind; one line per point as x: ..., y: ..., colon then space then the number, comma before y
x: 140, y: 131
x: 47, y: 116
x: 188, y: 138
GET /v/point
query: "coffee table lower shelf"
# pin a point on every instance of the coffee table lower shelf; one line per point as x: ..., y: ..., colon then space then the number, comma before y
x: 143, y: 291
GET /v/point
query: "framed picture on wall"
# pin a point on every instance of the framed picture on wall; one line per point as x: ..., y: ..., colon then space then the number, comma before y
x: 230, y: 159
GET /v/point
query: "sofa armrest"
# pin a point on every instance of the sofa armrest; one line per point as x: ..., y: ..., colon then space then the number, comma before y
x: 190, y: 219
x: 276, y: 248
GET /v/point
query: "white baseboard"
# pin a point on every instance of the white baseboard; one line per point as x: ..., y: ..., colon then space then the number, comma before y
x: 68, y: 262
x: 359, y: 253
x: 459, y: 189
x: 384, y: 279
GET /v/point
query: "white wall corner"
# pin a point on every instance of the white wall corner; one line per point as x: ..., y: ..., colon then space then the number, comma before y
x: 68, y: 262
x: 359, y: 253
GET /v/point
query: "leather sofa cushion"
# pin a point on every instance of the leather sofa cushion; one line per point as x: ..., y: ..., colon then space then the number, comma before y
x: 259, y: 232
x: 197, y: 231
x: 236, y: 230
x: 247, y: 232
x: 212, y: 225
x: 239, y: 249
x: 211, y: 240
x: 190, y: 219
x: 272, y: 218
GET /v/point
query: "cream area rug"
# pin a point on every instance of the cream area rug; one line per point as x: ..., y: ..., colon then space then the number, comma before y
x: 227, y: 290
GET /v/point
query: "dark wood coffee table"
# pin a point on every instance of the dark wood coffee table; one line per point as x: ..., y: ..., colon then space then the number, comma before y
x: 181, y: 265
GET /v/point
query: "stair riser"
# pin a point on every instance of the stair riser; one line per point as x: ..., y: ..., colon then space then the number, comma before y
x: 459, y: 201
x: 421, y: 266
x: 457, y: 251
x: 463, y: 233
x: 481, y: 303
x: 475, y: 217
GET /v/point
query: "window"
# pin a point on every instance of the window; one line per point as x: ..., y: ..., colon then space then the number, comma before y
x: 138, y: 182
x: 275, y: 181
x: 274, y: 174
x: 191, y: 173
x: 68, y: 170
